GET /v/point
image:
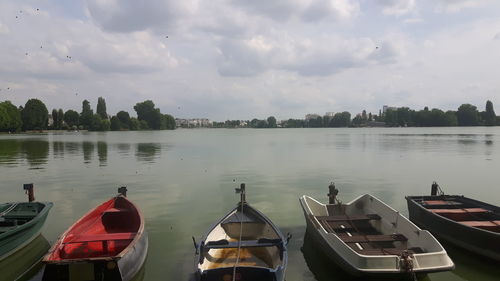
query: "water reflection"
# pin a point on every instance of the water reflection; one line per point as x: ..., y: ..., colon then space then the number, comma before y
x: 25, y: 261
x: 102, y: 153
x: 36, y: 152
x: 88, y: 150
x: 123, y: 148
x: 71, y: 147
x: 58, y: 149
x: 147, y: 152
x: 471, y: 267
x: 9, y: 150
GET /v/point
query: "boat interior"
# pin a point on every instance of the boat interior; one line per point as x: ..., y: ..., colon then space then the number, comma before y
x: 104, y: 232
x: 463, y: 210
x: 261, y: 248
x: 369, y: 227
x: 13, y: 215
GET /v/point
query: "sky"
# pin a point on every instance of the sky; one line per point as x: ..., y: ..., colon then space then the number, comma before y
x: 240, y: 59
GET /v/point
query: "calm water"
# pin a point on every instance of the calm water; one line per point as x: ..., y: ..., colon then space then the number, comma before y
x: 184, y: 180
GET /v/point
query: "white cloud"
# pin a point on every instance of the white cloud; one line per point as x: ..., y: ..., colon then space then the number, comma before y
x: 397, y: 7
x: 4, y: 29
x: 454, y: 6
x: 308, y: 10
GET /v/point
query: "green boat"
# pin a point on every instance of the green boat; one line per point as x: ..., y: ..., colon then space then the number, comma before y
x: 20, y: 223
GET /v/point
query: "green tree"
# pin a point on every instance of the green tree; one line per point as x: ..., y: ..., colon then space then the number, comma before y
x: 86, y: 115
x: 467, y: 115
x: 490, y: 118
x: 124, y: 119
x: 341, y: 119
x: 134, y: 124
x: 60, y: 117
x: 147, y: 112
x: 101, y: 108
x: 271, y: 122
x: 71, y: 118
x: 55, y: 118
x: 10, y: 117
x: 115, y: 124
x: 95, y: 123
x: 167, y: 122
x: 105, y: 125
x: 34, y: 115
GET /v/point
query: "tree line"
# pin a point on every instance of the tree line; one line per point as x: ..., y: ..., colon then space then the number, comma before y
x: 465, y: 115
x: 35, y: 116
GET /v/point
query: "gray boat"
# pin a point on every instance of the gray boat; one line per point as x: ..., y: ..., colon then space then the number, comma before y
x: 367, y: 237
x: 21, y: 222
x: 243, y: 245
x: 464, y: 222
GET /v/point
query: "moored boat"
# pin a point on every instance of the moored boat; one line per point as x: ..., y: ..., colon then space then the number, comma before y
x: 464, y: 222
x: 368, y: 237
x: 109, y: 242
x: 243, y: 245
x: 21, y: 222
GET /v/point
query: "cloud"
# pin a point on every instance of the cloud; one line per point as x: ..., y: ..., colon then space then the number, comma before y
x: 308, y: 57
x: 497, y: 36
x: 308, y: 10
x: 397, y: 7
x: 132, y: 15
x: 4, y: 29
x: 454, y: 6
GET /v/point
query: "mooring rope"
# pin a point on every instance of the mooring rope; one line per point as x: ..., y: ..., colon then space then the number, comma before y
x: 239, y: 243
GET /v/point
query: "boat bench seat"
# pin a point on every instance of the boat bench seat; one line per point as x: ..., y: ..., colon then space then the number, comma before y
x: 441, y: 203
x: 389, y: 251
x: 367, y: 217
x: 458, y: 211
x: 224, y: 244
x: 373, y: 238
x: 486, y: 225
x: 102, y: 237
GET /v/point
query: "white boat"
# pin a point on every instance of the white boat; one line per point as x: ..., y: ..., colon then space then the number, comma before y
x: 367, y: 237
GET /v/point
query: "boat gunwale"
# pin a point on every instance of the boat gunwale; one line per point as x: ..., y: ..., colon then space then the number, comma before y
x: 61, y: 238
x: 262, y: 216
x: 412, y: 199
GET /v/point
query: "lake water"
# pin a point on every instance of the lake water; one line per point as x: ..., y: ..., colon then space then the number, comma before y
x: 184, y: 181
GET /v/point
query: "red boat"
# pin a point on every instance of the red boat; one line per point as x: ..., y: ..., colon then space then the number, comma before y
x: 109, y: 241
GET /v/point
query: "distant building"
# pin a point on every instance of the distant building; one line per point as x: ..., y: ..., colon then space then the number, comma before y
x: 50, y: 120
x: 311, y: 116
x: 193, y: 123
x: 329, y: 114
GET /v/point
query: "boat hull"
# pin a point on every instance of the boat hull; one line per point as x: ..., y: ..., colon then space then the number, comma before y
x: 264, y: 274
x: 480, y: 242
x: 15, y: 239
x: 374, y: 265
x: 122, y: 221
x: 131, y: 263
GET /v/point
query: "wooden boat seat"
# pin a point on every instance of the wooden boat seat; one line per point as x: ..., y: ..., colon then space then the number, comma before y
x: 73, y: 249
x: 441, y: 202
x: 224, y: 244
x: 486, y: 225
x: 389, y: 251
x: 464, y: 214
x: 458, y: 211
x: 101, y: 237
x: 373, y: 238
x: 367, y: 217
